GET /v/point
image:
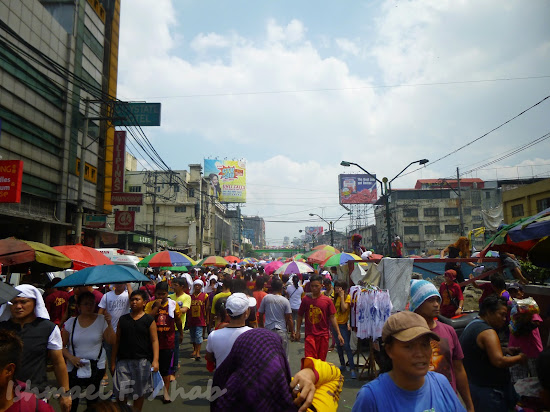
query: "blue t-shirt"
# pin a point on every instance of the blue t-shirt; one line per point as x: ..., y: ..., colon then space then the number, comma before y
x: 383, y: 395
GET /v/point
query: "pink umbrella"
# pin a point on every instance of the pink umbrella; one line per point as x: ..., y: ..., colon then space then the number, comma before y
x: 273, y: 266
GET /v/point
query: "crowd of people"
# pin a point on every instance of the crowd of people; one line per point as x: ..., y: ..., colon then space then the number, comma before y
x: 90, y: 336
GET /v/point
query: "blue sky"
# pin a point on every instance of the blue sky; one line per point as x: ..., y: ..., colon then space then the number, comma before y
x: 296, y: 87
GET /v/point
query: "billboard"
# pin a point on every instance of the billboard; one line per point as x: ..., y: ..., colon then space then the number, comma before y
x: 11, y: 179
x: 119, y: 157
x: 357, y: 189
x: 124, y: 221
x: 228, y: 179
x: 133, y: 199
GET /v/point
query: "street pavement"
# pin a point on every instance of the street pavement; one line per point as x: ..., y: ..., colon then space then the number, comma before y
x: 192, y: 381
x: 193, y: 373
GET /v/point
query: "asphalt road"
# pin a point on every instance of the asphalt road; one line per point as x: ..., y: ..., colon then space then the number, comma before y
x: 192, y: 381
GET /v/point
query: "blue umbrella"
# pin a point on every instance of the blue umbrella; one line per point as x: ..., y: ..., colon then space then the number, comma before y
x: 101, y: 275
x: 534, y: 227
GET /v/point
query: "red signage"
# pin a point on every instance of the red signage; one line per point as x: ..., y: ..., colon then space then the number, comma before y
x: 11, y: 177
x: 129, y: 199
x: 119, y: 157
x: 124, y: 221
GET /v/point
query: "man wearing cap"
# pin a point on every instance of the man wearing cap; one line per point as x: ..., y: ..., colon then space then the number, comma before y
x: 27, y: 316
x: 221, y: 341
x: 447, y: 353
x: 409, y: 385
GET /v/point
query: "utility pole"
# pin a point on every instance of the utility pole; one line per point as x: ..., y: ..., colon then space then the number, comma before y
x: 155, y: 214
x: 331, y: 228
x: 81, y: 170
x: 240, y: 229
x: 201, y: 220
x: 388, y: 214
x: 460, y: 203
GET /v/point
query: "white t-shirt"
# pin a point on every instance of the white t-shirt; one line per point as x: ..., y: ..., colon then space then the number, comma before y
x: 87, y: 341
x: 295, y: 296
x: 115, y: 305
x: 55, y: 342
x: 221, y: 341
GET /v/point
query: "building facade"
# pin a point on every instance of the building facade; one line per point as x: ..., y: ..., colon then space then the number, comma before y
x: 526, y: 200
x: 57, y: 55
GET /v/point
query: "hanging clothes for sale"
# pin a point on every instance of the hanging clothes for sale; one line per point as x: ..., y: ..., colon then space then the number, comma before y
x: 396, y: 278
x: 371, y: 306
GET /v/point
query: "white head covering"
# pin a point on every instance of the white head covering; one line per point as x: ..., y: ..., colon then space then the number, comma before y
x: 27, y: 291
x: 209, y: 288
x: 198, y: 282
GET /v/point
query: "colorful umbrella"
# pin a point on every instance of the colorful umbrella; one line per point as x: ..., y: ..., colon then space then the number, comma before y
x: 213, y: 261
x: 319, y: 256
x: 101, y: 275
x: 273, y: 266
x: 166, y: 258
x: 232, y: 259
x: 83, y: 256
x: 175, y: 268
x: 7, y: 293
x: 18, y: 256
x: 528, y: 237
x: 340, y: 259
x: 299, y: 256
x: 294, y: 267
x: 327, y: 247
x: 248, y: 261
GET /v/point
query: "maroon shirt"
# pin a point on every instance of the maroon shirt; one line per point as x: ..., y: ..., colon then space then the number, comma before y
x: 316, y: 313
x: 196, y: 316
x: 56, y: 305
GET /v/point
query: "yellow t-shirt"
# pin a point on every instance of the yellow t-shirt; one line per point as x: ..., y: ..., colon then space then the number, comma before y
x: 329, y: 384
x: 342, y: 317
x: 184, y: 301
x: 218, y: 296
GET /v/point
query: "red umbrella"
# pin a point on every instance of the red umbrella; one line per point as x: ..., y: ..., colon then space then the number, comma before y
x: 83, y: 256
x: 232, y: 259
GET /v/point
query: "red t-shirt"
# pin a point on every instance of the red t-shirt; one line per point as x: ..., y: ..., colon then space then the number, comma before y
x: 98, y: 295
x: 198, y: 310
x: 316, y: 314
x: 166, y: 325
x: 447, y: 292
x: 150, y: 290
x: 56, y: 304
x: 487, y: 289
x: 29, y: 403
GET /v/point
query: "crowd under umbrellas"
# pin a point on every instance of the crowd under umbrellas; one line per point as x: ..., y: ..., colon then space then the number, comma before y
x: 230, y: 297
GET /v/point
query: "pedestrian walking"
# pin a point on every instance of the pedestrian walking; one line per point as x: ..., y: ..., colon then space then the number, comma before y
x: 197, y: 320
x: 342, y: 303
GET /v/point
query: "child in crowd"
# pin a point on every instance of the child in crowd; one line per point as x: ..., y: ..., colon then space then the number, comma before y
x: 11, y: 349
x: 167, y: 316
x: 135, y: 352
x: 197, y: 320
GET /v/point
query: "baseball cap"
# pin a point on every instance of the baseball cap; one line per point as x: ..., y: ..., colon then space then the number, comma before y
x: 238, y: 303
x: 406, y: 326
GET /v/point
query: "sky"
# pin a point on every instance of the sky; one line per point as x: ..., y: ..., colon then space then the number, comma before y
x: 293, y: 88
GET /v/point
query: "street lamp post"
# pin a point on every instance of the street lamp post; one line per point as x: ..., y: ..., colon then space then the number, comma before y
x: 330, y: 225
x: 386, y: 191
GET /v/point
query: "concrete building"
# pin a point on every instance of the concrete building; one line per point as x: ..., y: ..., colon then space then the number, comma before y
x: 525, y: 200
x: 429, y: 218
x: 181, y: 209
x: 56, y: 55
x: 254, y: 229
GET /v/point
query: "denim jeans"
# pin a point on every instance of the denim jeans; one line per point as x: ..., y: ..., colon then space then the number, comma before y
x: 346, y: 335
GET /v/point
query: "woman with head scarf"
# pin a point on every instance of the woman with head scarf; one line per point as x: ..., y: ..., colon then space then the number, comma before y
x: 257, y: 377
x: 26, y: 314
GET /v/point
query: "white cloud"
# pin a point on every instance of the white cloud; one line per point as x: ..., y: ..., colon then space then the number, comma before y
x: 348, y: 46
x: 292, y: 137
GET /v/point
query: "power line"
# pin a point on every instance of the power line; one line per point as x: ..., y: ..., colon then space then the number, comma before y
x: 336, y: 89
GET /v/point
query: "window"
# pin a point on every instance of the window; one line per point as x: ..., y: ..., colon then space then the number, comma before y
x: 431, y: 212
x: 517, y: 210
x: 543, y: 204
x: 411, y: 230
x: 133, y: 208
x: 452, y: 228
x: 432, y: 230
x: 476, y: 197
x: 191, y: 192
x: 157, y: 189
x: 487, y: 195
x: 180, y: 209
x: 450, y: 211
x: 467, y: 211
x: 135, y: 189
x: 176, y: 188
x: 410, y: 213
x: 157, y: 209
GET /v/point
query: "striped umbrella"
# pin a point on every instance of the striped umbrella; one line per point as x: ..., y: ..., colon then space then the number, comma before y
x: 232, y: 259
x: 299, y: 256
x: 319, y: 256
x: 213, y: 261
x: 294, y: 267
x: 166, y: 258
x: 327, y: 247
x: 340, y: 259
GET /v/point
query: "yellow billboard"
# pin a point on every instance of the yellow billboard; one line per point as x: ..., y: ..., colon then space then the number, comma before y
x: 228, y: 179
